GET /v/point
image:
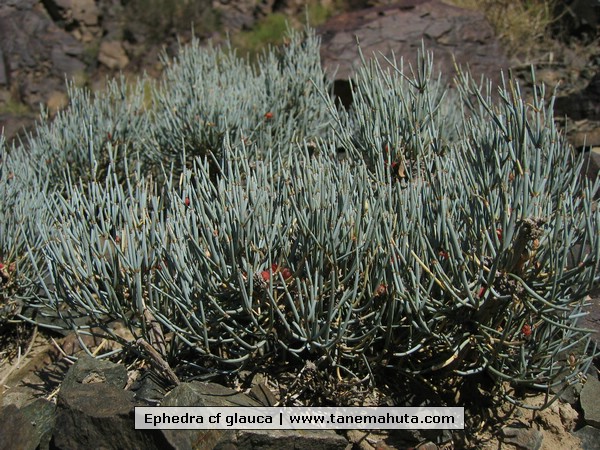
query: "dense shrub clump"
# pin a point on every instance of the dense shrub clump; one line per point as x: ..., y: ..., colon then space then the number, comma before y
x: 453, y: 237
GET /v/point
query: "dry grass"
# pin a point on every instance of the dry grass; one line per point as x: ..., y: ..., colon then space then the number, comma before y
x: 522, y: 25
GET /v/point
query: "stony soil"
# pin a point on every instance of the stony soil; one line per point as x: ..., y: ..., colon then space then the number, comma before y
x: 33, y: 363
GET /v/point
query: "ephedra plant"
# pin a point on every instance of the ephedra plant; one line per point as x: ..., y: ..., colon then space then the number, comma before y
x: 455, y: 238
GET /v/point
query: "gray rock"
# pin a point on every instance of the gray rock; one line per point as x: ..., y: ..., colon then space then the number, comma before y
x: 3, y: 72
x: 568, y: 393
x: 203, y: 394
x: 73, y: 12
x: 262, y: 394
x: 41, y: 415
x: 63, y: 64
x: 286, y: 439
x: 16, y: 431
x: 522, y: 437
x: 88, y: 370
x: 580, y: 105
x: 197, y: 393
x: 426, y: 446
x: 445, y: 30
x: 589, y: 401
x: 98, y: 412
x: 37, y: 53
x: 21, y: 4
x: 590, y: 437
x: 112, y: 55
x: 149, y: 390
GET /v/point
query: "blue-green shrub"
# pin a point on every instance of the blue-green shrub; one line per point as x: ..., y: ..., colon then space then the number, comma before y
x: 455, y: 238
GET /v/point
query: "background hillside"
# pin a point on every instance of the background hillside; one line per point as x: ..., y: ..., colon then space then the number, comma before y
x: 42, y: 42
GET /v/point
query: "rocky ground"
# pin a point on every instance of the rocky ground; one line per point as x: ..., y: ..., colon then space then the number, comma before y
x: 50, y: 401
x: 40, y: 42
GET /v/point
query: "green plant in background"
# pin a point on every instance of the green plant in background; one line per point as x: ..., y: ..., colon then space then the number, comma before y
x: 272, y: 29
x: 455, y: 238
x: 15, y: 108
x: 269, y: 31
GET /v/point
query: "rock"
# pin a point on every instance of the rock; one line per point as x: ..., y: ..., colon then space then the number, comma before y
x: 236, y: 15
x: 41, y: 414
x: 210, y: 394
x: 445, y: 30
x: 16, y: 431
x: 426, y: 446
x: 589, y: 401
x: 584, y: 104
x: 93, y: 408
x: 88, y: 370
x: 203, y: 394
x: 112, y: 14
x: 196, y: 393
x: 262, y: 394
x: 586, y: 137
x: 579, y: 16
x: 589, y: 436
x: 148, y: 390
x: 56, y: 101
x: 592, y: 320
x: 522, y: 437
x: 85, y: 11
x: 73, y: 12
x: 568, y: 416
x: 37, y: 54
x: 359, y: 439
x: 63, y: 64
x: 288, y: 439
x: 112, y: 55
x: 3, y: 72
x: 21, y: 4
x: 569, y: 393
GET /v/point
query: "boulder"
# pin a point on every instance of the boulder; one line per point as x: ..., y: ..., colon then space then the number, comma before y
x: 89, y: 370
x: 522, y: 437
x: 288, y: 439
x: 236, y: 15
x: 584, y: 104
x: 203, y: 394
x: 112, y: 55
x: 74, y: 13
x: 94, y: 411
x: 589, y: 401
x: 41, y: 414
x: 16, y: 431
x: 590, y: 437
x: 37, y: 55
x: 448, y: 31
x: 210, y: 394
